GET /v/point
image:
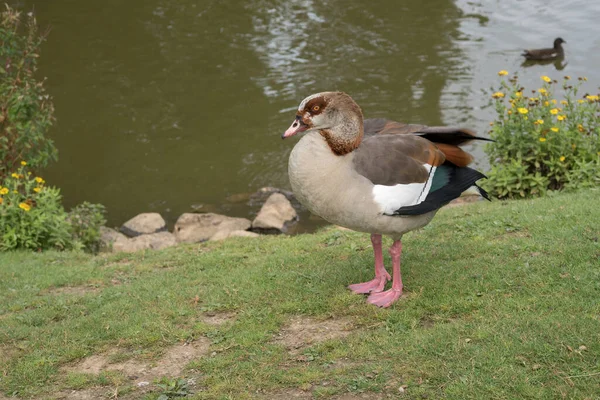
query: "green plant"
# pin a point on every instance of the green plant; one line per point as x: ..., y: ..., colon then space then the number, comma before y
x: 172, y: 388
x: 31, y: 214
x: 26, y: 110
x: 541, y: 143
x: 86, y: 220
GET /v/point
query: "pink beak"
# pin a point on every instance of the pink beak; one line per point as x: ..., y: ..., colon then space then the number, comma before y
x: 296, y: 127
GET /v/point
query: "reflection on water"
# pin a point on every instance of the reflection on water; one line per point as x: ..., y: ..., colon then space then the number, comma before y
x: 559, y: 63
x: 165, y: 104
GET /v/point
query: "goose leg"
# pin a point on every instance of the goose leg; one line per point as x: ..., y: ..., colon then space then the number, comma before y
x: 381, y: 275
x: 385, y: 299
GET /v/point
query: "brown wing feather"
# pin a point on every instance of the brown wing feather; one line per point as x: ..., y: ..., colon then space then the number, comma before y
x: 394, y: 159
x: 382, y: 126
x: 445, y: 139
x: 455, y: 154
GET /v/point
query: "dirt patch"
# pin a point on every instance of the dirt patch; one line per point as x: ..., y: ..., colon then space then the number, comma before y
x: 171, y: 364
x: 88, y: 394
x: 74, y: 290
x: 8, y: 351
x: 218, y: 318
x: 369, y: 396
x: 288, y: 394
x: 303, y: 331
x: 299, y: 394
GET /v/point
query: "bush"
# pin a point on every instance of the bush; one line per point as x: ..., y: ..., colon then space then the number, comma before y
x: 26, y: 111
x: 32, y: 216
x: 86, y: 220
x: 541, y: 143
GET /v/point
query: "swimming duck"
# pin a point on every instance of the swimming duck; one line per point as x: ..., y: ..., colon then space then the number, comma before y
x: 546, y: 54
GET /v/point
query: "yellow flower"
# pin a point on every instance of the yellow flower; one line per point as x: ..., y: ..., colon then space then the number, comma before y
x: 564, y: 102
x: 554, y: 111
x: 584, y: 78
x: 554, y: 129
x: 23, y: 163
x: 580, y: 128
x: 509, y: 112
x: 553, y: 101
x: 533, y: 99
x: 25, y: 206
x: 580, y: 101
x: 561, y: 117
x: 562, y: 158
x: 567, y: 77
x: 539, y: 122
x: 546, y: 103
x: 543, y: 91
x: 4, y: 191
x: 518, y: 94
x: 39, y: 180
x: 591, y: 98
x: 546, y: 79
x: 503, y: 72
x: 15, y: 175
x: 37, y: 189
x: 523, y: 110
x: 498, y: 95
x: 542, y: 139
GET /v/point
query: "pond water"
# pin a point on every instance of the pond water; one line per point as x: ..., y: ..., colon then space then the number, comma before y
x: 174, y: 105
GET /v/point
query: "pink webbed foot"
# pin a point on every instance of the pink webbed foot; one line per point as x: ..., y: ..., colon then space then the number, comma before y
x: 381, y: 275
x: 373, y: 286
x: 385, y: 299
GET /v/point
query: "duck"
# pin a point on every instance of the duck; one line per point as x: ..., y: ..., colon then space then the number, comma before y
x: 376, y: 176
x: 546, y: 54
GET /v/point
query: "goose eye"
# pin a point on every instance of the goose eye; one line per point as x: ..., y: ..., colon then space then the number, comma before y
x: 316, y: 108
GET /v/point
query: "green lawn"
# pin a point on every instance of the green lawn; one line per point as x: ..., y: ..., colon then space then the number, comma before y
x: 502, y: 301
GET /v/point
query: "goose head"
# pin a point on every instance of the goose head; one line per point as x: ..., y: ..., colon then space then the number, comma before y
x: 558, y: 42
x: 335, y: 116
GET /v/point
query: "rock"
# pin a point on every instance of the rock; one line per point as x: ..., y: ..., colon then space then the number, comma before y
x: 144, y: 224
x: 275, y: 214
x: 193, y: 228
x: 109, y: 238
x: 155, y: 241
x: 465, y: 199
x: 262, y: 194
x: 203, y: 208
x: 227, y: 234
x: 238, y: 198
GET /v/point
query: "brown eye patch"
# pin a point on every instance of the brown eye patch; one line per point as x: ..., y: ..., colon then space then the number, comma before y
x: 316, y: 106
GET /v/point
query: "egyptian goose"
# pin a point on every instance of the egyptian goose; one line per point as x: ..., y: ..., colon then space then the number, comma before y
x: 377, y: 176
x: 546, y: 54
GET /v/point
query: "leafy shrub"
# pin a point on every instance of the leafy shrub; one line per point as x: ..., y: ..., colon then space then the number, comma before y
x: 32, y: 216
x: 86, y: 220
x: 26, y: 111
x: 541, y: 143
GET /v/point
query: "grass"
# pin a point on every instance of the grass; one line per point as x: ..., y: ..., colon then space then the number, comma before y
x: 501, y: 301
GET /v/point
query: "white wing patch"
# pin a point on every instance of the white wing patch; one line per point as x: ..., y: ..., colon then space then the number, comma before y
x: 391, y: 198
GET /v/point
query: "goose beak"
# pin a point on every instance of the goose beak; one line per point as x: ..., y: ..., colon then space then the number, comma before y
x: 296, y: 127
